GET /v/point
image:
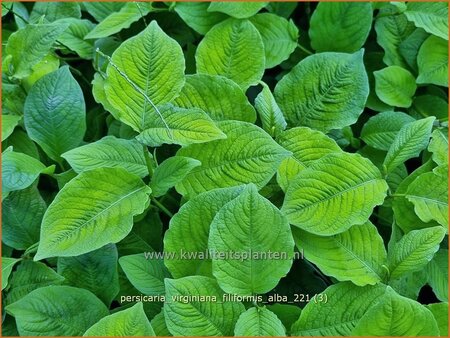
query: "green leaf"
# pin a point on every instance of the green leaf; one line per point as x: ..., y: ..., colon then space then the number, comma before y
x: 259, y: 322
x: 52, y: 11
x: 9, y: 122
x: 356, y: 255
x: 21, y: 143
x: 429, y: 105
x: 110, y: 196
x: 429, y: 194
x: 271, y: 116
x: 239, y: 10
x: 432, y: 61
x: 340, y: 26
x: 57, y: 311
x: 437, y: 274
x: 73, y: 37
x: 48, y: 64
x: 55, y: 113
x: 191, y: 226
x: 278, y: 35
x: 181, y: 126
x: 13, y: 99
x: 21, y: 219
x: 247, y: 155
x: 30, y: 276
x: 391, y: 31
x: 346, y: 305
x: 287, y: 313
x: 409, y: 48
x: 150, y: 63
x: 159, y: 325
x: 234, y: 49
x: 439, y: 146
x: 324, y: 91
x: 410, y: 284
x: 196, y: 16
x: 19, y: 171
x: 334, y: 193
x: 101, y: 10
x: 120, y: 19
x: 262, y: 230
x: 7, y: 266
x: 218, y: 96
x: 210, y: 317
x: 411, y: 139
x: 395, y: 86
x: 380, y: 130
x: 30, y: 45
x: 414, y: 250
x: 382, y: 319
x: 432, y: 17
x: 125, y: 323
x: 171, y: 172
x: 146, y: 274
x: 440, y: 313
x: 95, y: 271
x: 109, y: 152
x: 307, y: 146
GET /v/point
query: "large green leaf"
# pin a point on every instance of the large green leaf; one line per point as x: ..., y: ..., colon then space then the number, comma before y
x: 380, y: 130
x: 125, y: 323
x: 357, y: 254
x: 7, y: 266
x: 278, y: 35
x: 324, y: 91
x: 437, y: 274
x: 411, y: 139
x: 429, y: 194
x: 431, y: 16
x: 414, y: 250
x: 395, y: 86
x: 432, y: 61
x: 253, y: 228
x: 307, y: 145
x: 57, y: 311
x: 109, y: 152
x: 247, y: 155
x: 48, y: 64
x: 21, y: 218
x: 159, y: 325
x: 210, y: 316
x: 429, y: 105
x: 234, y: 49
x: 196, y: 16
x: 181, y: 126
x: 220, y: 97
x: 9, y: 122
x: 52, y: 11
x: 73, y: 37
x: 147, y: 70
x: 409, y: 47
x: 110, y: 196
x: 95, y: 271
x: 271, y: 116
x: 259, y: 321
x: 439, y: 146
x: 340, y: 26
x: 383, y: 320
x: 440, y: 313
x: 30, y: 276
x: 146, y: 274
x: 171, y: 172
x: 239, y: 10
x: 334, y: 193
x: 191, y: 225
x: 120, y: 19
x: 19, y: 171
x: 287, y: 313
x: 346, y: 305
x: 29, y: 45
x: 391, y: 31
x: 54, y: 113
x: 13, y: 99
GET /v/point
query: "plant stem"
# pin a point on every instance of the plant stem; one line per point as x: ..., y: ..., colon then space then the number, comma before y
x: 148, y: 161
x: 162, y: 207
x: 307, y: 51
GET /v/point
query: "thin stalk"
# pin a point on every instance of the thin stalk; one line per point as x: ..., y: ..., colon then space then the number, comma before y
x: 162, y: 207
x: 307, y: 51
x: 148, y: 161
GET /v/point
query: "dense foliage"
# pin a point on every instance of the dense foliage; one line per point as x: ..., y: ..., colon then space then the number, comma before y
x: 225, y: 169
